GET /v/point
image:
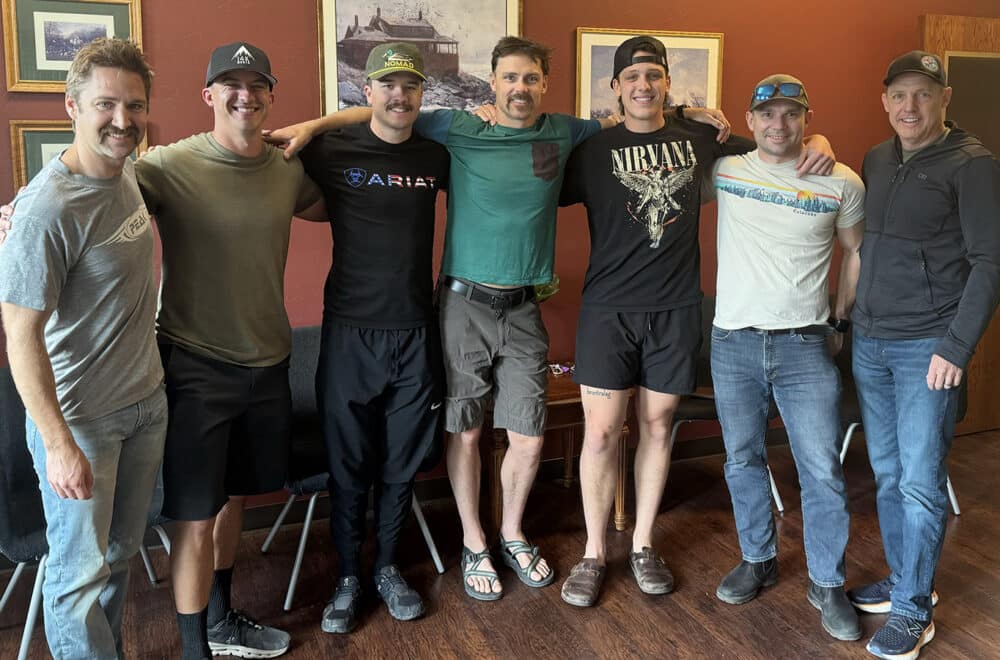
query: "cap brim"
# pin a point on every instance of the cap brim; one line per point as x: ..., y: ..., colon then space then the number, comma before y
x: 794, y: 99
x: 382, y: 73
x: 271, y: 79
x: 888, y: 80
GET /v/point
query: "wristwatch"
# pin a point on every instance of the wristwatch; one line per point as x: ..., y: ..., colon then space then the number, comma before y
x: 679, y: 111
x: 840, y: 325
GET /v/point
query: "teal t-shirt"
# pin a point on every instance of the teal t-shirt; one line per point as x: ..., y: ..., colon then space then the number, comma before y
x: 503, y: 193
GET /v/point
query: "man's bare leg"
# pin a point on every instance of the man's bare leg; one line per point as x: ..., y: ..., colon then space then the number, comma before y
x: 517, y: 474
x: 464, y: 465
x: 191, y: 555
x: 655, y: 412
x: 604, y: 414
x: 226, y: 533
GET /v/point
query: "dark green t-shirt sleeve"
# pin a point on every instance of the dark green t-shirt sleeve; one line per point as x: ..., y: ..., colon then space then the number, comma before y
x: 149, y: 176
x: 435, y: 124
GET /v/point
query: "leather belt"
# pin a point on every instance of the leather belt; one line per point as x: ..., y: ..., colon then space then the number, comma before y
x: 803, y: 330
x: 499, y: 300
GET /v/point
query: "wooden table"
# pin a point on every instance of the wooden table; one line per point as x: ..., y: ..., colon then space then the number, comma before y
x: 565, y: 419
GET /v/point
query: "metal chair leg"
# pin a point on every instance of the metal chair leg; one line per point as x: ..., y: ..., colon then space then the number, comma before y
x: 148, y: 563
x: 428, y: 539
x: 36, y: 601
x: 774, y: 493
x: 10, y: 585
x: 953, y: 498
x: 277, y: 524
x: 302, y: 549
x: 847, y: 440
x: 164, y: 539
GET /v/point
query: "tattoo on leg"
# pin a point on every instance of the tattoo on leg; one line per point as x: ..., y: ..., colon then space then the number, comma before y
x: 595, y: 392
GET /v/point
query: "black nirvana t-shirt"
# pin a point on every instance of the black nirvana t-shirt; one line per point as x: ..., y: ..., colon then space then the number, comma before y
x: 643, y: 195
x: 380, y: 199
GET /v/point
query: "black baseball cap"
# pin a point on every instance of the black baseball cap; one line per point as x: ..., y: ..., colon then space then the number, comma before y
x: 625, y: 54
x: 238, y: 56
x: 917, y: 61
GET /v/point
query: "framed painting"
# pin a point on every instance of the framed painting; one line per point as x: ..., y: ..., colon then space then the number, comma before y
x: 694, y: 59
x: 455, y: 37
x: 41, y: 37
x: 33, y: 142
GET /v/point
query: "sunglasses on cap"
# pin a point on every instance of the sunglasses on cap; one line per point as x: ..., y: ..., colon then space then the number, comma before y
x: 788, y: 90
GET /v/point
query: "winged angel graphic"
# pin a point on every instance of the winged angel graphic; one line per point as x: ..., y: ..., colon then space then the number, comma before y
x: 655, y: 190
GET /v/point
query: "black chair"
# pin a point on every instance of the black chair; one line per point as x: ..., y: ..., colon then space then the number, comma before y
x: 850, y: 409
x: 22, y: 521
x: 307, y: 474
x: 700, y: 406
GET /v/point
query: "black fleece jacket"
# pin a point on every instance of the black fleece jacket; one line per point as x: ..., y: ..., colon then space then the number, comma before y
x: 930, y: 259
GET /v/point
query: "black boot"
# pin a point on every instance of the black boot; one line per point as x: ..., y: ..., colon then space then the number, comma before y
x: 744, y: 581
x: 837, y: 614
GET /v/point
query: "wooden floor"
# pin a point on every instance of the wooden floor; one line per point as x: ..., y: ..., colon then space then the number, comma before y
x: 695, y: 533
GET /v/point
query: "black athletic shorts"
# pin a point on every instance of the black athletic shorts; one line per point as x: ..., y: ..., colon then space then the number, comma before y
x: 655, y: 350
x: 228, y: 434
x: 380, y: 399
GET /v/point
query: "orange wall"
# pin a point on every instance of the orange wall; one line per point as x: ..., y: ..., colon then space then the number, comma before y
x: 840, y: 49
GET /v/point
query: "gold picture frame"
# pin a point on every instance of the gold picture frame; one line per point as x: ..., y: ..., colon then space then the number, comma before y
x: 450, y: 35
x: 694, y: 58
x: 34, y: 141
x: 40, y: 43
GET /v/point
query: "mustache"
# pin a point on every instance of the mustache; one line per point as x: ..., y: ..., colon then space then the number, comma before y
x: 520, y: 96
x: 402, y: 105
x: 114, y: 132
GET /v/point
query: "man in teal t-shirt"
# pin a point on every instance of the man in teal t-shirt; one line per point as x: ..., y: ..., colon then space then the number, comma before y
x: 499, y: 243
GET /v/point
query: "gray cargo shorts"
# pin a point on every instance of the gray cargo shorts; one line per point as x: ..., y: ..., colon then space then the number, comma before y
x: 489, y: 354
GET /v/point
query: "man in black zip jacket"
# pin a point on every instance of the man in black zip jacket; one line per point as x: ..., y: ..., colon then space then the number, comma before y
x: 929, y: 284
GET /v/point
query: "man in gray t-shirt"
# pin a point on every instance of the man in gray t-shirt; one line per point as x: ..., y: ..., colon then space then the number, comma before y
x: 78, y: 300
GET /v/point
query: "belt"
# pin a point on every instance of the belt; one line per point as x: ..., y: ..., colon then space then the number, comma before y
x: 499, y: 300
x: 803, y: 330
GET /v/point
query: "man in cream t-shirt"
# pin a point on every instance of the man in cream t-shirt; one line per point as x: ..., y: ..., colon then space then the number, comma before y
x: 772, y: 336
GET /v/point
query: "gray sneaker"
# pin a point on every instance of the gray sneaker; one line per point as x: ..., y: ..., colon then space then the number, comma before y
x: 403, y: 602
x: 239, y: 635
x: 341, y: 613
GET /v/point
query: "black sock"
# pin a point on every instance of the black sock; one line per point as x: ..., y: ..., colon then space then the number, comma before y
x: 194, y: 636
x: 218, y: 598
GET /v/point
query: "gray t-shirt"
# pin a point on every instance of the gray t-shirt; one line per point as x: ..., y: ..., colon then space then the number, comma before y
x: 83, y: 248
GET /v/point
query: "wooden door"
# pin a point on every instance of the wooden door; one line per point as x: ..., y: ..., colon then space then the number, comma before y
x: 970, y: 49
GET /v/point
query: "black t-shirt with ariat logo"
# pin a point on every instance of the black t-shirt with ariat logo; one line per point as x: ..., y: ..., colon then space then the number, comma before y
x: 643, y: 196
x: 380, y: 199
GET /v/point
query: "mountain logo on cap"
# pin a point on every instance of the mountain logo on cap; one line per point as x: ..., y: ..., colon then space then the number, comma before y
x: 242, y: 55
x: 930, y: 63
x: 392, y: 58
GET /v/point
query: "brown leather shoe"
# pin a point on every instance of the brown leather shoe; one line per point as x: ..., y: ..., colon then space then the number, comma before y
x: 651, y: 572
x: 583, y: 585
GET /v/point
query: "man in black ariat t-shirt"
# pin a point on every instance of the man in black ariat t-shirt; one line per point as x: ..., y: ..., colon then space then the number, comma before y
x: 378, y: 382
x: 640, y: 322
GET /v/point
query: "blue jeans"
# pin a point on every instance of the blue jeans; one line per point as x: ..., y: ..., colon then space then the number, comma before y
x: 908, y: 429
x: 748, y: 367
x: 91, y: 541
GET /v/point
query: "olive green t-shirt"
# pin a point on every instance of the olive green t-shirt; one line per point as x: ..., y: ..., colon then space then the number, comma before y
x: 224, y: 222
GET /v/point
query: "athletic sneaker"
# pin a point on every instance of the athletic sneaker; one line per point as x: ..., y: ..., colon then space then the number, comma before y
x: 901, y: 638
x: 239, y: 635
x: 341, y: 613
x: 876, y: 598
x: 403, y: 602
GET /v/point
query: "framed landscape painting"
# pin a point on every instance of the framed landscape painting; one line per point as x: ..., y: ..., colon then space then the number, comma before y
x: 694, y: 59
x: 33, y: 142
x: 41, y: 37
x: 455, y: 38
